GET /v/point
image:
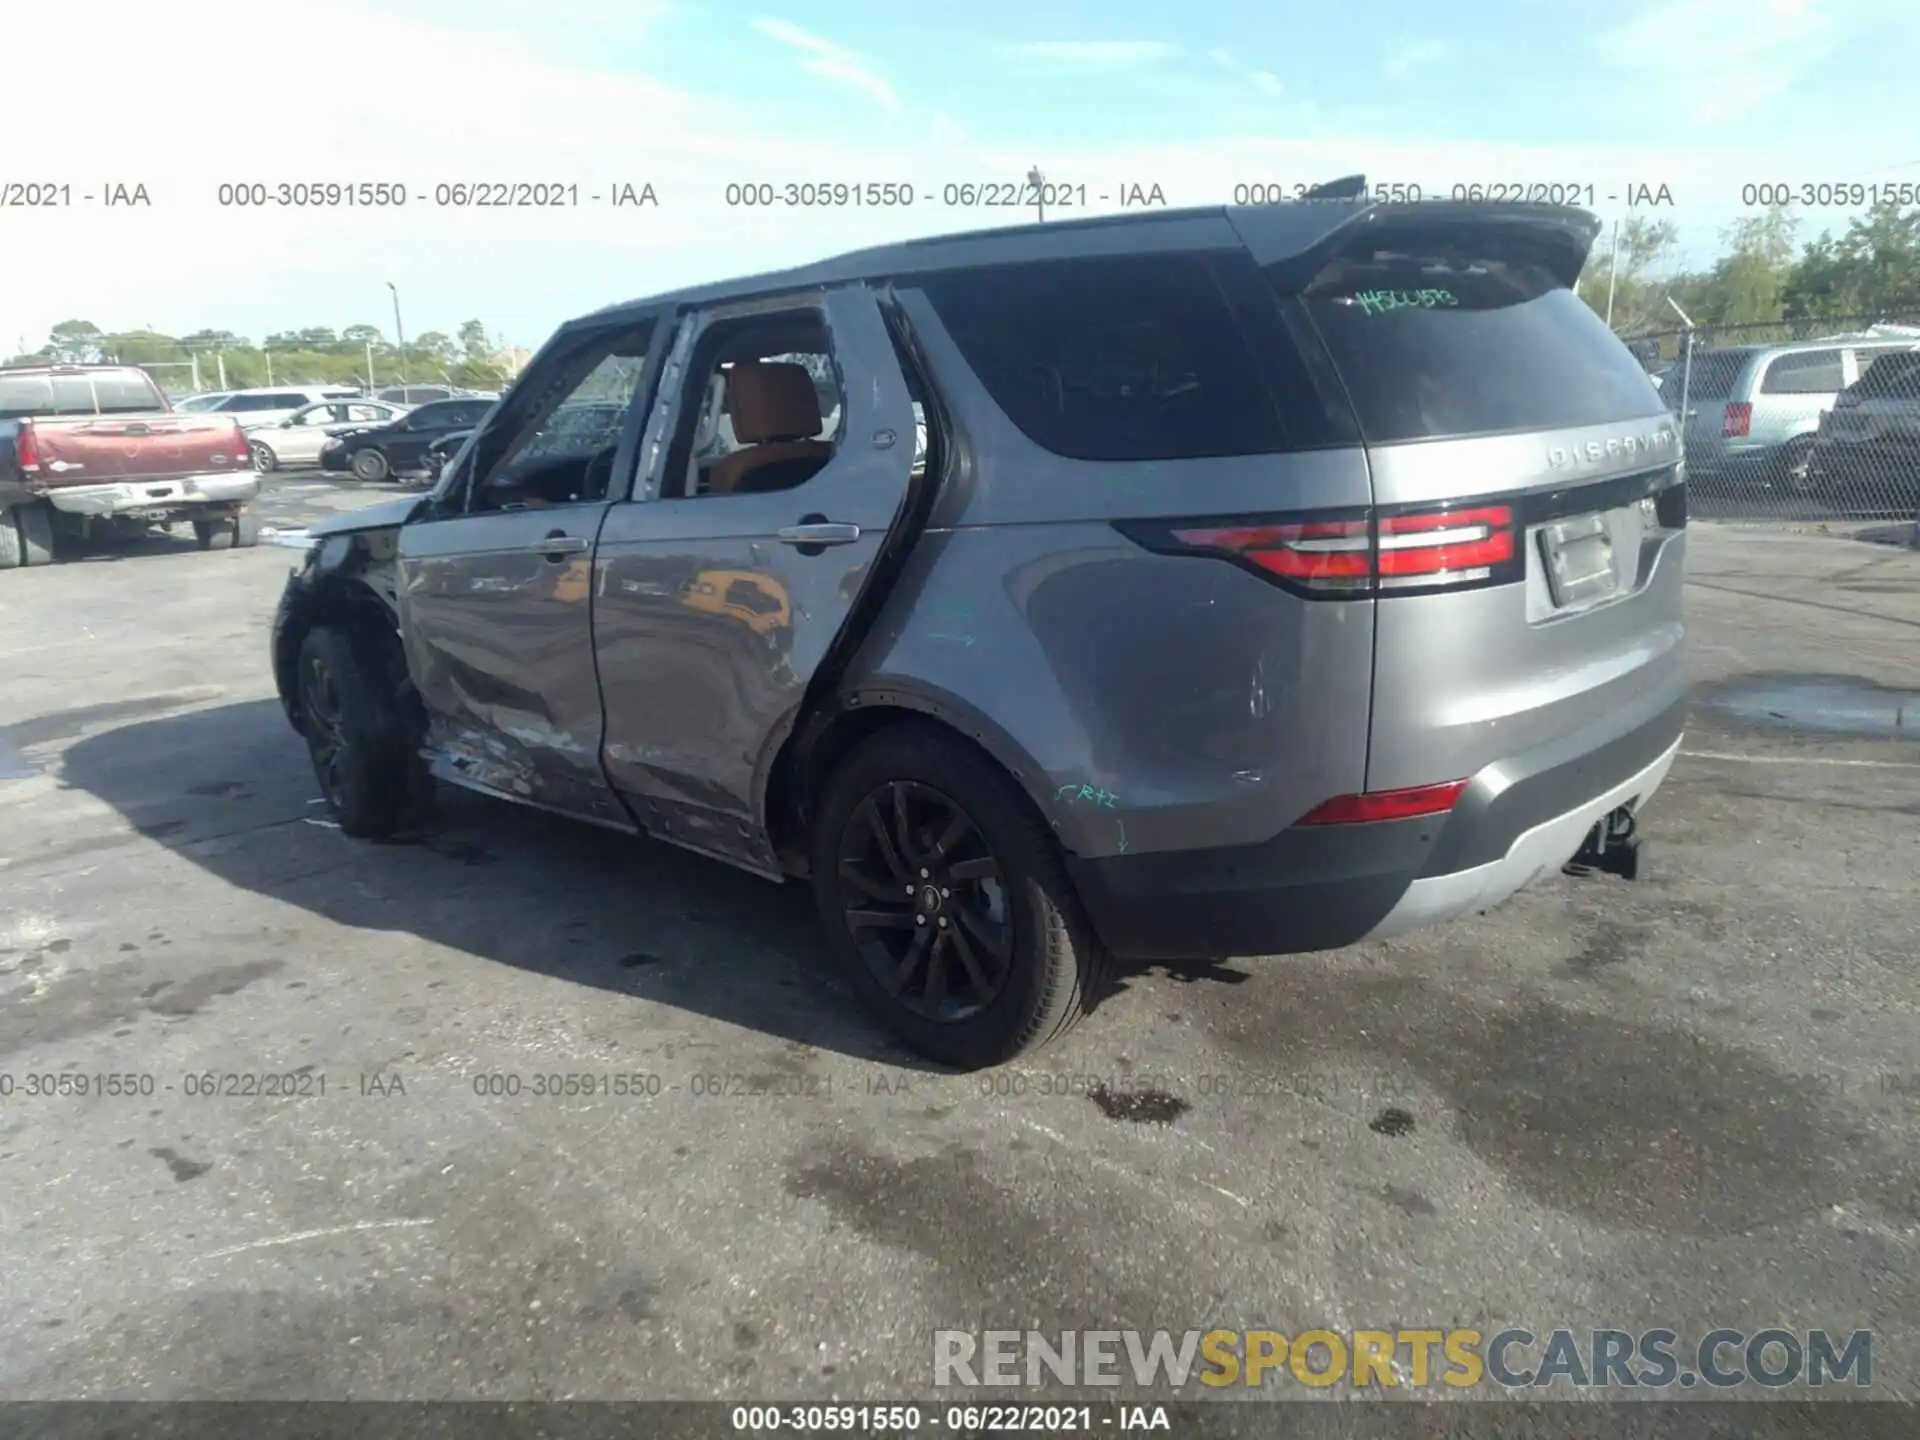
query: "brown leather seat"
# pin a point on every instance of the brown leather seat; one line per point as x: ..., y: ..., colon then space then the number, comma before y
x: 776, y: 413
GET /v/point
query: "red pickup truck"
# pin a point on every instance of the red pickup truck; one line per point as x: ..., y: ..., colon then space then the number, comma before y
x: 96, y: 449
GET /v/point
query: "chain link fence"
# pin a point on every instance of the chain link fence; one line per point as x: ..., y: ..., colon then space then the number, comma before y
x: 1796, y: 420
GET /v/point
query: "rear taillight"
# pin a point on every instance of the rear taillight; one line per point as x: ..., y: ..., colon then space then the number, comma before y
x: 26, y: 449
x: 1420, y: 550
x: 1318, y: 554
x: 242, y: 451
x: 1408, y: 804
x: 1444, y: 546
x: 1738, y: 421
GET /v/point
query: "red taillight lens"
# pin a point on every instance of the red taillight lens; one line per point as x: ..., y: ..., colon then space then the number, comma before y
x: 1405, y: 804
x: 1356, y: 556
x: 1738, y: 422
x: 1320, y: 554
x: 1444, y: 545
x: 26, y: 449
x: 241, y: 449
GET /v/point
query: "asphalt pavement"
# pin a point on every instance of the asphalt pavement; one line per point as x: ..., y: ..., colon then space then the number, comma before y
x: 1691, y: 1101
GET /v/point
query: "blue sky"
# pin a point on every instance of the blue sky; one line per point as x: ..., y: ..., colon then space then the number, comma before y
x: 1699, y: 95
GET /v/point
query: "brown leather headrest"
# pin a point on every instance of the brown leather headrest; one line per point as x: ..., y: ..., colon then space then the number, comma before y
x: 771, y: 401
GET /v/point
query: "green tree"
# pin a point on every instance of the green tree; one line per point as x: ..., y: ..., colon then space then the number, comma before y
x: 1748, y: 283
x: 142, y: 347
x: 213, y: 340
x: 1873, y: 268
x: 75, y: 341
x: 435, y: 348
x: 1639, y: 299
x: 358, y: 337
x: 473, y: 340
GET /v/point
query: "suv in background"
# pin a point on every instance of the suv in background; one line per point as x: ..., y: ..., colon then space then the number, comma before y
x: 255, y: 408
x: 1753, y: 410
x: 428, y: 394
x: 1272, y: 579
x: 1870, y: 440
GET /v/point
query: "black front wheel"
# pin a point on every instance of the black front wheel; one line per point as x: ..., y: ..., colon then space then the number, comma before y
x: 1794, y: 470
x: 355, y: 732
x: 945, y: 896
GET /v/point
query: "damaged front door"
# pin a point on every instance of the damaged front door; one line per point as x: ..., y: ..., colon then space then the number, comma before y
x: 496, y: 581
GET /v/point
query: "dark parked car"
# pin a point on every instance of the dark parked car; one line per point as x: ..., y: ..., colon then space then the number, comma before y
x: 1273, y: 579
x: 399, y: 447
x: 1870, y: 440
x: 443, y: 450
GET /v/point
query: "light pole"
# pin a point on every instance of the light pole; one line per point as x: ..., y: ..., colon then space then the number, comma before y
x: 399, y: 335
x: 1613, y: 272
x: 1039, y: 183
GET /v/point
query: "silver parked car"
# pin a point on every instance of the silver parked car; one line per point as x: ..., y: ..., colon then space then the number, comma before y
x: 297, y: 439
x: 1272, y: 579
x: 1753, y: 410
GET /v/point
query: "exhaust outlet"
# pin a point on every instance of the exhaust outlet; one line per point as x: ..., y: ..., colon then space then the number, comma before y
x: 1610, y: 848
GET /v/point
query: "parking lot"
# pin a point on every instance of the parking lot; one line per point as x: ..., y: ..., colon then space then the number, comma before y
x: 1690, y: 1101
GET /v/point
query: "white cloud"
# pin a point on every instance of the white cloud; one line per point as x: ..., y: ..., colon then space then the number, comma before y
x: 830, y: 61
x: 1720, y: 58
x: 189, y: 261
x: 1265, y: 81
x: 1098, y: 54
x: 1416, y: 55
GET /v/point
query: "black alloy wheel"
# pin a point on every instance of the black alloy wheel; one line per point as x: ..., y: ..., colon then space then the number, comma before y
x: 320, y: 712
x: 924, y: 900
x: 955, y: 921
x: 355, y: 733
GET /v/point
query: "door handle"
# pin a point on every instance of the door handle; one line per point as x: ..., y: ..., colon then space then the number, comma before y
x: 558, y: 545
x: 820, y: 532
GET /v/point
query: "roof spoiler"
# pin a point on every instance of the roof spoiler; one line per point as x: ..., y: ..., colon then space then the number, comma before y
x: 1347, y: 187
x: 1558, y: 237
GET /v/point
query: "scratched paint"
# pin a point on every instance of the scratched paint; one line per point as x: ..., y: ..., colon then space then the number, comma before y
x: 955, y: 618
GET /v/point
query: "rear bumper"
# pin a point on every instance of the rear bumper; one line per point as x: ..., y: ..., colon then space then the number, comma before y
x: 173, y: 493
x: 1321, y: 887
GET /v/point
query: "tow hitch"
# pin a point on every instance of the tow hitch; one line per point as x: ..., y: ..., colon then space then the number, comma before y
x: 1610, y: 847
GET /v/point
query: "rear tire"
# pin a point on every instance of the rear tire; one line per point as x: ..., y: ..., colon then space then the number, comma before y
x: 355, y: 733
x: 370, y: 466
x: 1793, y: 471
x: 1017, y: 963
x: 13, y: 545
x: 36, y: 533
x: 264, y: 460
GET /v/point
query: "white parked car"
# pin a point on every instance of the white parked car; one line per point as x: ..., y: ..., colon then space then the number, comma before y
x: 196, y: 404
x: 297, y: 439
x: 271, y: 405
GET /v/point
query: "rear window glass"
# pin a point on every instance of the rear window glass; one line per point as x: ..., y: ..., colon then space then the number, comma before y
x: 240, y: 404
x: 1433, y: 345
x: 105, y: 393
x: 1895, y: 376
x: 1714, y: 375
x: 1817, y: 372
x: 1135, y: 358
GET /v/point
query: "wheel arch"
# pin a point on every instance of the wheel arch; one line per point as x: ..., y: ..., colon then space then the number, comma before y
x: 344, y: 601
x: 801, y: 766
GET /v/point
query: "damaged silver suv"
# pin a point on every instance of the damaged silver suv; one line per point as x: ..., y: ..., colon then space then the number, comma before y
x: 1267, y: 580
